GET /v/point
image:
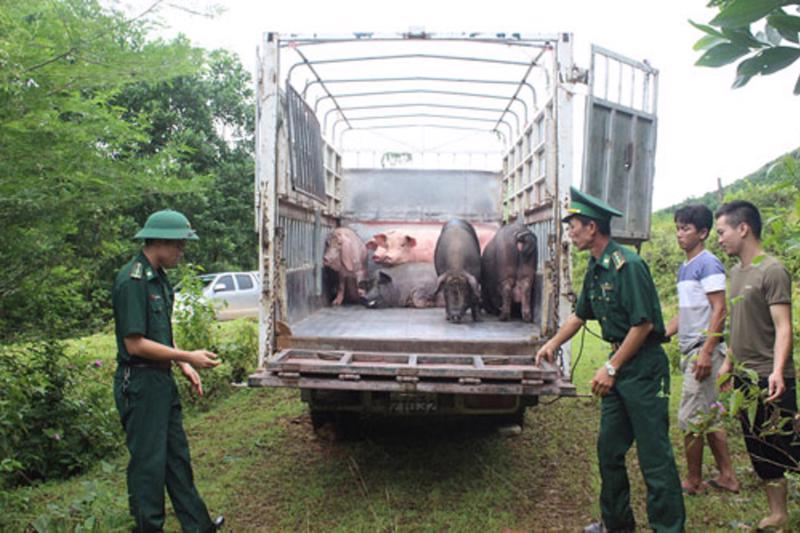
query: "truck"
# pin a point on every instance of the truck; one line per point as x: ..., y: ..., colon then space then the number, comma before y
x: 376, y: 131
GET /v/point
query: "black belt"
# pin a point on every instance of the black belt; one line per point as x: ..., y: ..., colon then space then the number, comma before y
x: 156, y: 365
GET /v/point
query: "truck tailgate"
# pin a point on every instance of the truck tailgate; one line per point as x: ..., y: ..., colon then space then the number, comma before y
x: 411, y: 372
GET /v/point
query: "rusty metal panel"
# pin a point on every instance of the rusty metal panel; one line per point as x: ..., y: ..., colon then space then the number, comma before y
x: 412, y: 372
x: 620, y: 140
x: 303, y: 249
x: 305, y: 147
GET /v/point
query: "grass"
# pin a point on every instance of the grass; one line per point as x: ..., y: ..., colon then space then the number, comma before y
x: 257, y: 460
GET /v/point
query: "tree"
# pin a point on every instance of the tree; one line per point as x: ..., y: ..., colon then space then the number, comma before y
x: 729, y: 37
x: 70, y: 155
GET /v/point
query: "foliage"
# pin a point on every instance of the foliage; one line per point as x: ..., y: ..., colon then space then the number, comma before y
x: 196, y: 328
x: 729, y: 37
x: 193, y: 315
x: 100, y: 126
x: 56, y: 417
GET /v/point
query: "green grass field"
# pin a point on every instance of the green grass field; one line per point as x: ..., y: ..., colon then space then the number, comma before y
x: 258, y: 462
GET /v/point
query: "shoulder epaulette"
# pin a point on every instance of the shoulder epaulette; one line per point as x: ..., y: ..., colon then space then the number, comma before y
x: 619, y: 259
x: 136, y: 271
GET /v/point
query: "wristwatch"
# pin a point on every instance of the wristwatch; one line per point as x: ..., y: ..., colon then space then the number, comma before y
x: 610, y: 369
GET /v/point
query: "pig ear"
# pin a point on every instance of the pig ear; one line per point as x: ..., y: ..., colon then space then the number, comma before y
x: 377, y: 240
x: 473, y: 283
x: 351, y: 254
x: 410, y: 241
x: 383, y: 277
x: 440, y: 283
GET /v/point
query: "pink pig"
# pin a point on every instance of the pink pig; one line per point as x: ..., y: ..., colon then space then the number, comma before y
x: 346, y: 254
x: 415, y: 244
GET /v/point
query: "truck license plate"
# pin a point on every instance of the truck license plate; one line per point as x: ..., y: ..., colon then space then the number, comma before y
x: 412, y: 404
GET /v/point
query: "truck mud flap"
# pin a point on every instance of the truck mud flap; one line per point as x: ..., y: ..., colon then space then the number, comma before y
x: 403, y: 372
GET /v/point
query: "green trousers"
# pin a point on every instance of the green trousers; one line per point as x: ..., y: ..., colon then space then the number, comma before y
x: 150, y: 410
x: 637, y: 409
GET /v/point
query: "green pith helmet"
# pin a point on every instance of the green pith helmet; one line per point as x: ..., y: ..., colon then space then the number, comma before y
x: 587, y: 205
x: 167, y: 224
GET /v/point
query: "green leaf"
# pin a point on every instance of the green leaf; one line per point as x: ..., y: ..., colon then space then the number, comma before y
x: 757, y: 260
x: 706, y: 29
x: 787, y: 25
x: 708, y: 41
x: 741, y: 13
x: 797, y: 86
x: 737, y: 400
x: 752, y: 409
x: 722, y: 54
x: 743, y: 37
x: 777, y: 58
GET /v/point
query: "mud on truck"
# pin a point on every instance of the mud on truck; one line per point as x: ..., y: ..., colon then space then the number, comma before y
x: 401, y: 133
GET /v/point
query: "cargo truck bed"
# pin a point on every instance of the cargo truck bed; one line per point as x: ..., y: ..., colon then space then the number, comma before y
x: 411, y: 330
x: 410, y: 350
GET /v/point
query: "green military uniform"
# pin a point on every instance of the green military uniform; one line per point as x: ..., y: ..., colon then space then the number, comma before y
x: 619, y: 292
x: 147, y: 399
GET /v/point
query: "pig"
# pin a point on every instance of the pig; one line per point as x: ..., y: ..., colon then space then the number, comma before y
x: 508, y: 267
x: 346, y: 254
x: 458, y: 264
x: 398, y: 246
x: 413, y: 244
x: 406, y: 285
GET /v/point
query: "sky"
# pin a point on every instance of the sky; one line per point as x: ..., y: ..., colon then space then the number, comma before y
x: 707, y: 131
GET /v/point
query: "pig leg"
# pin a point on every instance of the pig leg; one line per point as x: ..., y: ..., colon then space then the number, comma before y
x: 507, y: 294
x: 419, y: 299
x: 524, y: 287
x: 476, y: 311
x: 340, y: 292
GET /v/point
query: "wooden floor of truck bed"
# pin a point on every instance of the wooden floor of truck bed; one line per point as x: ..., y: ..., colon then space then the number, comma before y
x: 406, y: 330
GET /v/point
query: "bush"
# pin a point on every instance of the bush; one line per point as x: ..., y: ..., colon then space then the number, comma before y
x: 195, y: 328
x: 56, y: 417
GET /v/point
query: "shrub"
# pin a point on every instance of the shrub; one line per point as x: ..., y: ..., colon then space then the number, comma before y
x: 195, y: 328
x: 56, y: 417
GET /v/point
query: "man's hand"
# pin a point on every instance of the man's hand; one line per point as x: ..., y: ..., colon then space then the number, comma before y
x: 546, y: 352
x: 193, y: 377
x: 601, y: 382
x: 702, y: 365
x: 776, y: 386
x: 202, y: 359
x: 725, y: 371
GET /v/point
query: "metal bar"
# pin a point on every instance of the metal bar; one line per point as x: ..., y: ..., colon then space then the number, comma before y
x: 266, y: 181
x: 420, y: 115
x: 425, y: 125
x: 427, y: 78
x: 420, y: 104
x: 443, y: 57
x: 500, y: 38
x: 642, y: 65
x: 322, y: 83
x: 519, y: 87
x: 423, y: 91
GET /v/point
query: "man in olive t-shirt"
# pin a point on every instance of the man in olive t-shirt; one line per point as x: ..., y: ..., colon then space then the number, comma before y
x: 761, y: 341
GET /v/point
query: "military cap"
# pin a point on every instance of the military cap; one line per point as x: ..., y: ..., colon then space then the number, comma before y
x: 167, y: 224
x: 589, y: 206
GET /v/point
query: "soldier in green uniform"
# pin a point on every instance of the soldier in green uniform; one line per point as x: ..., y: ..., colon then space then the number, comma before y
x: 144, y: 389
x: 619, y: 292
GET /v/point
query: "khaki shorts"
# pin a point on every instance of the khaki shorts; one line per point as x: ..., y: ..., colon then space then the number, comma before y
x: 697, y: 396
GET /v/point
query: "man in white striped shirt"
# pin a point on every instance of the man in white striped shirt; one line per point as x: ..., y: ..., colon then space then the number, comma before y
x: 699, y: 325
